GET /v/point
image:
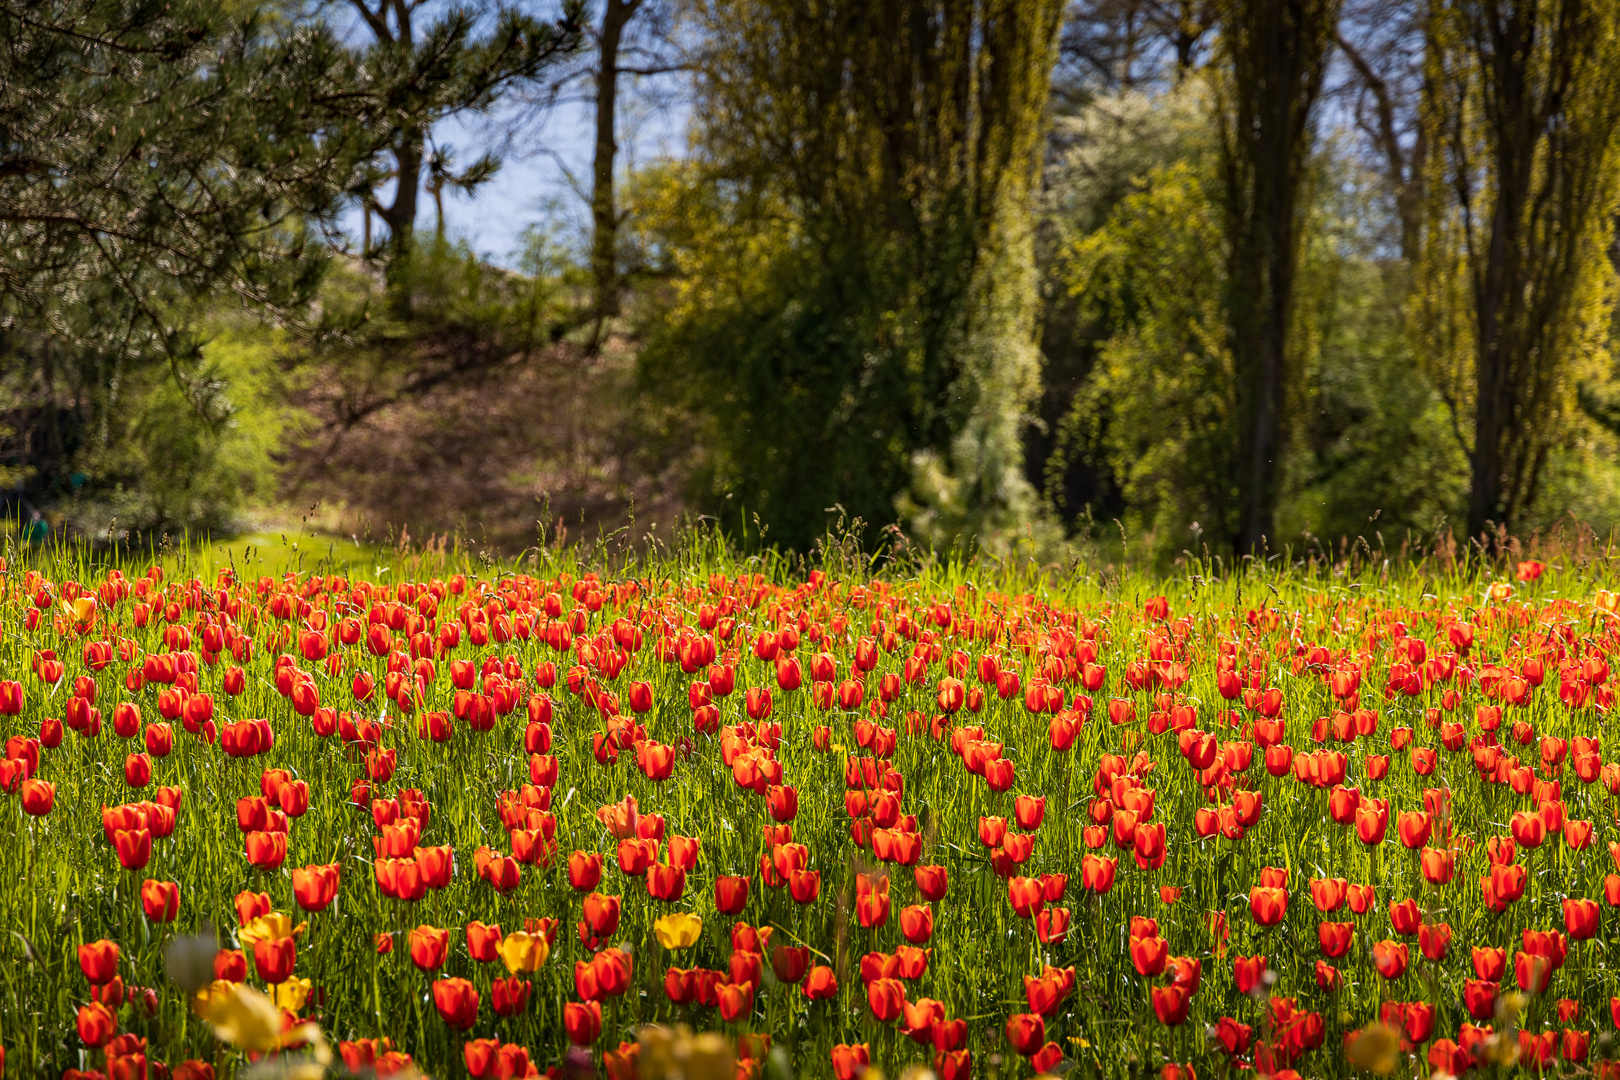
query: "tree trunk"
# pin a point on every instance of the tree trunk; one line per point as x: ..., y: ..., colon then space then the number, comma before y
x: 1501, y: 283
x: 1277, y: 50
x: 400, y: 217
x: 604, y: 213
x: 53, y: 426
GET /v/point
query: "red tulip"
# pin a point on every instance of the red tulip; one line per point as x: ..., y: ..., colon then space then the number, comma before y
x: 602, y: 914
x: 1149, y: 955
x: 1328, y: 893
x: 1052, y: 926
x: 820, y: 983
x: 1389, y: 957
x: 1026, y: 1032
x: 730, y: 894
x: 429, y: 947
x: 1267, y: 905
x: 99, y: 960
x: 273, y: 959
x: 457, y: 1002
x: 666, y: 883
x: 871, y: 902
x: 735, y: 1000
x: 1335, y: 938
x: 160, y: 900
x: 1437, y: 865
x: 315, y: 887
x: 96, y: 1024
x: 932, y: 881
x: 1434, y: 940
x: 885, y: 997
x: 1248, y: 972
x: 850, y: 1062
x: 1097, y: 872
x: 1405, y: 916
x: 1479, y: 996
x: 583, y: 1022
x: 1170, y: 1004
x: 1581, y: 918
x: 1029, y: 810
x: 230, y: 965
x: 790, y: 962
x: 510, y: 996
x: 1528, y: 829
x: 1489, y: 964
x: 133, y: 847
x: 1413, y: 829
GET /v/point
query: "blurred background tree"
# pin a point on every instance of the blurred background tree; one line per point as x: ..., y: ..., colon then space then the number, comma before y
x: 867, y: 171
x: 1165, y: 275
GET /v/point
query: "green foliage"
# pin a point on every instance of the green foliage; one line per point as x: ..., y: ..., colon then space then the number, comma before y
x: 1515, y: 293
x: 162, y: 466
x: 1274, y: 54
x: 1159, y: 401
x: 157, y: 150
x: 1371, y: 445
x: 860, y: 185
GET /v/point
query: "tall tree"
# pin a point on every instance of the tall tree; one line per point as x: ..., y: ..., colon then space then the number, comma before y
x: 1384, y: 43
x: 1124, y: 44
x: 1274, y: 53
x: 636, y: 38
x: 156, y: 155
x: 439, y: 67
x: 1516, y: 291
x: 873, y: 162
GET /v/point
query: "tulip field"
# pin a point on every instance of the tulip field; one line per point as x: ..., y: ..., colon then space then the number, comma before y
x: 486, y: 820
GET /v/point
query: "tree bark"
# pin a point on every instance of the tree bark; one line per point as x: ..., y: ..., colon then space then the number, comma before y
x: 400, y: 217
x: 1278, y: 52
x: 604, y: 212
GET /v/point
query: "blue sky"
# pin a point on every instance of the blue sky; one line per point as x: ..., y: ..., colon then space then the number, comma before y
x: 545, y: 175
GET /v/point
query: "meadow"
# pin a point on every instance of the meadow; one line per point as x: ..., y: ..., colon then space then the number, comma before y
x: 471, y: 818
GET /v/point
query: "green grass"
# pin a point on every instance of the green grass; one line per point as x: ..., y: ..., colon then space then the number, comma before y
x: 65, y: 886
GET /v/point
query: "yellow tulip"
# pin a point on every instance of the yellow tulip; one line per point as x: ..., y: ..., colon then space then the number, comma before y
x: 271, y: 927
x: 292, y: 994
x: 81, y: 610
x: 523, y: 952
x: 248, y: 1020
x: 678, y: 930
x: 241, y: 1016
x: 1375, y: 1049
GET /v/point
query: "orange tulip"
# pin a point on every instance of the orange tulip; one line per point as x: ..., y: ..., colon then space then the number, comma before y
x: 850, y: 1062
x: 456, y: 1001
x: 160, y: 900
x: 429, y: 947
x: 1026, y: 1032
x: 1390, y: 958
x: 885, y: 997
x: 99, y: 960
x: 1268, y: 906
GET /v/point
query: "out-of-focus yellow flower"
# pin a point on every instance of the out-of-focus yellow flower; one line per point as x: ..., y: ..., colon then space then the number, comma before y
x: 81, y: 610
x: 524, y: 952
x: 1375, y: 1049
x: 240, y: 1015
x: 248, y: 1020
x: 271, y: 927
x: 678, y: 930
x: 292, y: 994
x: 677, y: 1052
